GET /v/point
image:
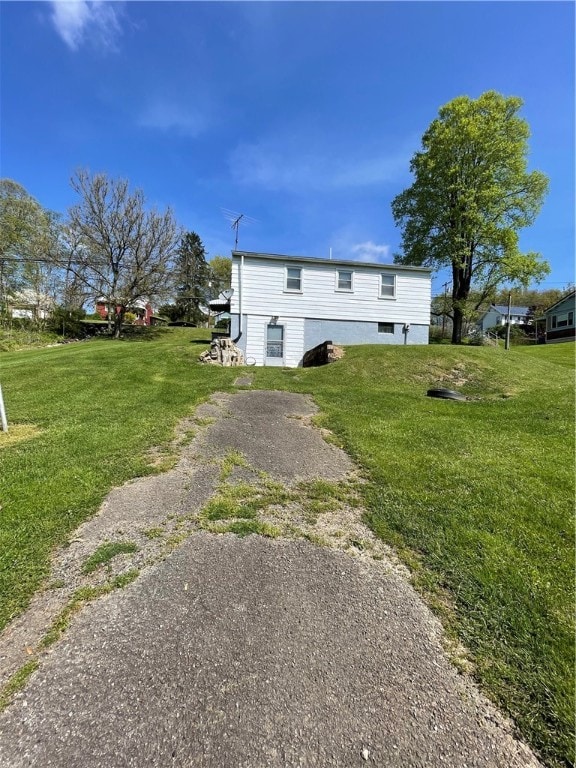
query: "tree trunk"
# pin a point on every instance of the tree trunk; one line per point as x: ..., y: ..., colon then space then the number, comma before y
x: 118, y: 320
x: 457, y: 326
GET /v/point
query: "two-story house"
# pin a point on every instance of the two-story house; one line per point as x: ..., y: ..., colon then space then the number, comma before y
x: 283, y: 306
x: 497, y: 315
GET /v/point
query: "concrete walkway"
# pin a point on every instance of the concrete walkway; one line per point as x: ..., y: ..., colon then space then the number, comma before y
x: 253, y: 651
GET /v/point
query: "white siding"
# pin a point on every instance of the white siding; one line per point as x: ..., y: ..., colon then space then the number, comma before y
x: 263, y: 292
x: 293, y: 340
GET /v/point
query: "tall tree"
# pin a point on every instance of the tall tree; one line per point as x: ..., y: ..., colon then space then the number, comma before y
x: 28, y: 235
x: 116, y: 248
x: 471, y: 194
x: 191, y: 277
x: 221, y: 274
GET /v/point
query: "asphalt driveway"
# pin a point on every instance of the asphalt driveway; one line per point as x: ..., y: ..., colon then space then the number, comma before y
x: 229, y: 652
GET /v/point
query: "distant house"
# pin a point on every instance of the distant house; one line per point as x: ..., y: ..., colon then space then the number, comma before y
x: 284, y: 306
x: 497, y: 315
x: 29, y: 304
x: 142, y: 309
x: 560, y: 319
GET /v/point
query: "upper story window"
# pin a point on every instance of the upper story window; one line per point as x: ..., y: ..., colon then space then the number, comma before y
x: 387, y: 286
x: 344, y: 280
x: 294, y: 279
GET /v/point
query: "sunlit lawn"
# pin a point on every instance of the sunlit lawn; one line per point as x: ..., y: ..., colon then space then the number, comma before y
x: 477, y: 497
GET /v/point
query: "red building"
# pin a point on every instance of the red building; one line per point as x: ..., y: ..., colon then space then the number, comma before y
x: 142, y: 310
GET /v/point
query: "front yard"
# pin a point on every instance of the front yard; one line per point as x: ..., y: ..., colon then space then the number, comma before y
x: 476, y: 497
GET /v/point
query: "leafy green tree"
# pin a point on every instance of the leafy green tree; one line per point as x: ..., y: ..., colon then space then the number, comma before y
x: 170, y: 311
x: 537, y: 301
x: 67, y: 322
x: 191, y: 277
x: 471, y: 194
x: 28, y: 236
x: 221, y: 274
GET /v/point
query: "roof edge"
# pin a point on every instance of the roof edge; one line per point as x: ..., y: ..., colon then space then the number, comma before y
x: 318, y: 260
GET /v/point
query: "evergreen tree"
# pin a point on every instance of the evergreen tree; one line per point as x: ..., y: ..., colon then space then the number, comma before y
x: 191, y: 278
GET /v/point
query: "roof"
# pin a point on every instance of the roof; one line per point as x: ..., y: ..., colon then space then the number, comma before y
x: 567, y: 296
x: 503, y: 309
x: 335, y: 262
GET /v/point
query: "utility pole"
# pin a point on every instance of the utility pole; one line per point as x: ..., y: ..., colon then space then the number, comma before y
x: 507, y: 343
x: 444, y: 309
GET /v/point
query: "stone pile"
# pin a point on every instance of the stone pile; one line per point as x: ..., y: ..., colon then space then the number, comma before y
x: 223, y: 352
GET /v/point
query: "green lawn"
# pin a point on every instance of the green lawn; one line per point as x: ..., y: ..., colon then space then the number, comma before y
x: 477, y: 497
x: 81, y: 416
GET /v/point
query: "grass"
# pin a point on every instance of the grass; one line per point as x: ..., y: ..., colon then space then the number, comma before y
x: 106, y: 552
x: 17, y: 682
x: 15, y: 338
x: 476, y: 497
x: 91, y: 411
x: 81, y: 597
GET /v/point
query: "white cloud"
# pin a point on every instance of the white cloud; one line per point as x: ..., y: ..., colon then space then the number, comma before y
x: 346, y: 243
x: 281, y: 163
x: 93, y: 21
x: 165, y: 116
x: 370, y: 251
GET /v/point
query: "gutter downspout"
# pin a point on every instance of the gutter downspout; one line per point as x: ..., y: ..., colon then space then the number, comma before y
x: 240, y: 274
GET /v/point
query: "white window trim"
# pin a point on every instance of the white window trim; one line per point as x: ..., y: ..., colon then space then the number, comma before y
x: 380, y: 296
x: 344, y: 290
x: 292, y: 290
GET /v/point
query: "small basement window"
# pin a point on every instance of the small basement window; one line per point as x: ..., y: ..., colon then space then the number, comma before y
x: 385, y: 327
x: 344, y: 280
x: 293, y: 279
x: 387, y: 286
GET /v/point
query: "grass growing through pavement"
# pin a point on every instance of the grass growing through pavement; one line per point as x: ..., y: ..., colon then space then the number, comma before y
x: 96, y: 408
x: 477, y: 497
x: 106, y: 552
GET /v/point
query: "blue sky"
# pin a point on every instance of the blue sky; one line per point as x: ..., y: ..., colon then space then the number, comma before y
x: 301, y: 115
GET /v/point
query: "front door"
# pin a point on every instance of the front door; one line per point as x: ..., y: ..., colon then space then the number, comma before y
x: 274, y: 344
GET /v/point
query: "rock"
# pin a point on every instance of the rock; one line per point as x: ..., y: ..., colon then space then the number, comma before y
x: 223, y: 352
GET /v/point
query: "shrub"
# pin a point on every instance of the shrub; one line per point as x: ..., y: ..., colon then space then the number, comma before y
x: 66, y: 322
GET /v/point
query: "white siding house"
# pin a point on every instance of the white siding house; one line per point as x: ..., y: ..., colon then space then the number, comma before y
x: 283, y: 306
x: 497, y: 315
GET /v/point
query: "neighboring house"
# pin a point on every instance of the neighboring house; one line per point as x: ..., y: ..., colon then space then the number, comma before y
x: 283, y: 306
x: 497, y: 314
x: 142, y: 309
x: 560, y: 319
x: 29, y: 304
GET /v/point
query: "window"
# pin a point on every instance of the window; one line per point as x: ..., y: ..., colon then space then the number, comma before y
x: 387, y: 286
x: 570, y: 318
x: 562, y: 320
x: 344, y: 281
x: 293, y: 279
x: 385, y: 327
x: 275, y: 341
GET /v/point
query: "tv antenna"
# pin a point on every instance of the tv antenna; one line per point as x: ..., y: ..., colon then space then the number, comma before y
x: 235, y: 219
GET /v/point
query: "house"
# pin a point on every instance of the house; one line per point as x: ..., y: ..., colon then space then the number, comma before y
x: 30, y: 304
x: 283, y: 306
x: 497, y: 315
x: 560, y: 319
x: 142, y: 309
